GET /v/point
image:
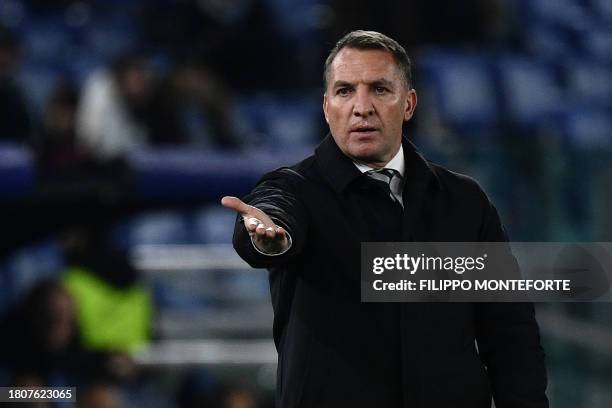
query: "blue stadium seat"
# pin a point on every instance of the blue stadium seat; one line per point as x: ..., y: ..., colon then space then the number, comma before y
x: 279, y: 122
x: 38, y: 81
x: 246, y: 285
x: 26, y: 267
x: 45, y: 40
x: 548, y: 41
x: 589, y: 82
x: 167, y: 296
x: 597, y: 42
x: 108, y: 40
x: 249, y: 111
x: 588, y: 128
x: 565, y: 12
x: 158, y: 228
x: 530, y: 89
x: 83, y: 62
x: 294, y: 121
x: 213, y: 225
x: 461, y: 87
x: 297, y: 19
x: 602, y: 9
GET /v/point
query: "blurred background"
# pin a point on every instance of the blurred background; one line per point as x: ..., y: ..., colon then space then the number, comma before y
x: 123, y: 122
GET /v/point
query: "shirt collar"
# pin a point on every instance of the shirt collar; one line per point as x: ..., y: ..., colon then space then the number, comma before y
x: 397, y: 163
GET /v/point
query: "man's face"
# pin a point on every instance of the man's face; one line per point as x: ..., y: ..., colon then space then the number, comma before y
x: 366, y: 103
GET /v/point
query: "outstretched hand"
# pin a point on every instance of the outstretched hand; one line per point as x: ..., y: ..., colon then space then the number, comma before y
x: 267, y: 236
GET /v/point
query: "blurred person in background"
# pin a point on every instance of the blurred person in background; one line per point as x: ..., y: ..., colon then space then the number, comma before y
x: 66, y: 169
x: 15, y: 124
x: 111, y: 115
x: 114, y: 310
x: 54, y: 144
x: 98, y: 395
x: 367, y: 183
x: 190, y: 106
x: 41, y: 344
x: 71, y: 184
x: 239, y: 398
x: 199, y: 389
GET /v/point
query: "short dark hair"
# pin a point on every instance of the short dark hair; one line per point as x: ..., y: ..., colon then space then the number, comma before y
x: 371, y: 40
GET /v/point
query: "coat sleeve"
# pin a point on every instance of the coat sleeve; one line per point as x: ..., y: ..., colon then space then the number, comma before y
x: 509, y: 341
x: 278, y: 195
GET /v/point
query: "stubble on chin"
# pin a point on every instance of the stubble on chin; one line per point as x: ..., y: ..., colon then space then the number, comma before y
x: 366, y: 156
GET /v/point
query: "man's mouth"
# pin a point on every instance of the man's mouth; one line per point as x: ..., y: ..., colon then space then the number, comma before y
x: 364, y: 129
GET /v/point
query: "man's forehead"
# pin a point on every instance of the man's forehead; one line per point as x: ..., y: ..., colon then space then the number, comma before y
x: 356, y: 64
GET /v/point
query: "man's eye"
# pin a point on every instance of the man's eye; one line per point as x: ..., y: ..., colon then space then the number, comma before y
x: 380, y: 89
x: 343, y: 91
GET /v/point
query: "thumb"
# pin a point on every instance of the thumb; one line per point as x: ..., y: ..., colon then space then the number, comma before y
x: 246, y: 211
x: 236, y: 204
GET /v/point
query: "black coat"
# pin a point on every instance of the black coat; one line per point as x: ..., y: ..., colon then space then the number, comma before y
x: 335, y: 351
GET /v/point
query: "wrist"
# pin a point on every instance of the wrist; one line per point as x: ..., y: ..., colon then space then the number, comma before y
x: 271, y: 247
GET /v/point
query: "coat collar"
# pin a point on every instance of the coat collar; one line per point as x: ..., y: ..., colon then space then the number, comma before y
x: 340, y: 171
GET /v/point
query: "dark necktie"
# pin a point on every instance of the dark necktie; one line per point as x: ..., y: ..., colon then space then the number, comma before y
x: 383, y: 178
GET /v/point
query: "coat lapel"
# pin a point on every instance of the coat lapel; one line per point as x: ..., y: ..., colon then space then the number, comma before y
x: 418, y: 180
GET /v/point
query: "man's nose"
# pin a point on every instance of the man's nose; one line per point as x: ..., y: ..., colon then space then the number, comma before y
x: 363, y: 104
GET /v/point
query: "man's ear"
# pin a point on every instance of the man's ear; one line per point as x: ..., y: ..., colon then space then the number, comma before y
x: 325, y: 106
x: 411, y: 103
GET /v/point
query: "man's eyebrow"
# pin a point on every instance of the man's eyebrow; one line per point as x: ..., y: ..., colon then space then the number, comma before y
x: 339, y: 84
x: 376, y: 82
x: 383, y: 82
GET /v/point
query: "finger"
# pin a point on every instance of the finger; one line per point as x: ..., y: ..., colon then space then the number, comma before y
x: 246, y: 210
x: 251, y: 223
x: 260, y: 230
x: 280, y: 231
x: 235, y: 204
x: 270, y: 232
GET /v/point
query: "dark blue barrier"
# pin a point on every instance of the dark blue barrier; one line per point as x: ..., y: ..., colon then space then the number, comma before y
x: 183, y: 174
x: 163, y: 174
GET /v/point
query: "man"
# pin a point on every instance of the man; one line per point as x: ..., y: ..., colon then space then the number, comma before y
x: 305, y: 223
